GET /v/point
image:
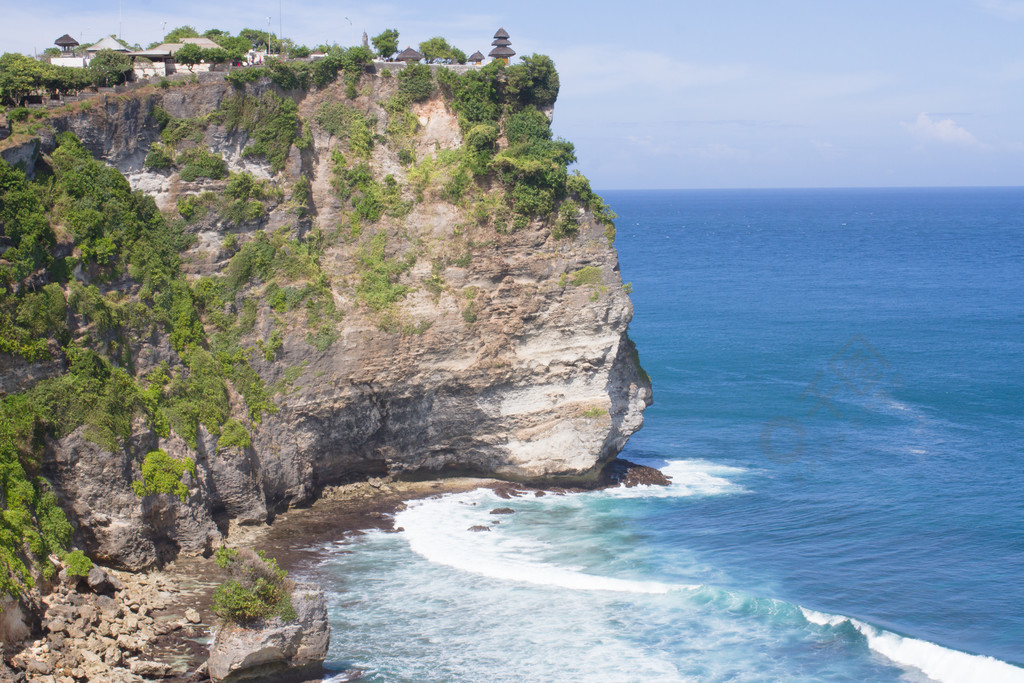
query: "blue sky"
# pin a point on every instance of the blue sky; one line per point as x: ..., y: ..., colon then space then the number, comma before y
x: 735, y: 93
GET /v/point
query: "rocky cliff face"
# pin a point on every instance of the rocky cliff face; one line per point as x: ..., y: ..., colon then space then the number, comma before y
x: 504, y: 351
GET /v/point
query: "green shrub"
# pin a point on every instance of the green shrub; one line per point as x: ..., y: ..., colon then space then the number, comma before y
x: 233, y: 434
x: 201, y: 163
x: 239, y: 77
x: 567, y: 224
x: 588, y: 275
x: 415, y: 82
x: 272, y: 123
x: 528, y: 125
x: 377, y: 273
x: 402, y: 123
x: 351, y: 126
x: 301, y: 196
x: 174, y: 131
x: 322, y: 338
x: 77, y: 564
x: 192, y: 207
x: 289, y: 75
x: 162, y: 474
x: 158, y: 157
x: 256, y: 589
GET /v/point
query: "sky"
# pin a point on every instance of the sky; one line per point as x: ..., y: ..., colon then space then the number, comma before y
x: 692, y: 94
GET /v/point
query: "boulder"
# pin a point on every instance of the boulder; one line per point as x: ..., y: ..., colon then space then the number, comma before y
x: 275, y: 650
x: 103, y: 583
x: 148, y: 669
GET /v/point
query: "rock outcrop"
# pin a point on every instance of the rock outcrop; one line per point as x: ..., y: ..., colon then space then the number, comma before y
x: 499, y: 360
x: 278, y: 651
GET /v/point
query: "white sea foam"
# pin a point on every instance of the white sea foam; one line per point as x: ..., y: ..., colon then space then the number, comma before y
x: 940, y: 663
x: 437, y: 530
x: 689, y: 478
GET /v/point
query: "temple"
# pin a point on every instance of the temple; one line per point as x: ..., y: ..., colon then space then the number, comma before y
x: 501, y: 44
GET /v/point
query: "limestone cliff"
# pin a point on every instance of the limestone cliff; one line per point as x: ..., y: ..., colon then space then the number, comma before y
x: 440, y: 333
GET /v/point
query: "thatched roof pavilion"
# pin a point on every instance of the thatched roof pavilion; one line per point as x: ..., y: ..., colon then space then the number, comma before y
x: 408, y: 55
x: 66, y: 43
x: 476, y: 57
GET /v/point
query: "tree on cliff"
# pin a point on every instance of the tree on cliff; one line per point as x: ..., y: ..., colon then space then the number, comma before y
x: 534, y: 81
x: 17, y: 77
x: 386, y: 44
x: 236, y: 46
x: 436, y: 50
x: 110, y: 67
x: 258, y: 39
x: 189, y: 55
x: 177, y: 34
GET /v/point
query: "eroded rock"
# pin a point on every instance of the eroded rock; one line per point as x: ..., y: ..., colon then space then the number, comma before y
x: 275, y: 650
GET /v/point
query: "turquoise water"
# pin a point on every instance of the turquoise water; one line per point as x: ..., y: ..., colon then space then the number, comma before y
x: 839, y: 398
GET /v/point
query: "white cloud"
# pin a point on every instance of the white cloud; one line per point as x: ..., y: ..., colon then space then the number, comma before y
x: 944, y: 130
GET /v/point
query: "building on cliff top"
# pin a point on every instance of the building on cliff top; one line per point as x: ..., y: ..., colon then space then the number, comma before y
x: 67, y: 57
x: 408, y: 55
x: 107, y: 43
x: 501, y: 44
x: 476, y: 58
x: 66, y: 43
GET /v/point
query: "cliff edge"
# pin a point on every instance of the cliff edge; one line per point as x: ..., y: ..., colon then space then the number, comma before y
x: 390, y: 272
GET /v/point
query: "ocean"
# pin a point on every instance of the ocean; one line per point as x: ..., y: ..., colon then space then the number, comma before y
x: 839, y: 399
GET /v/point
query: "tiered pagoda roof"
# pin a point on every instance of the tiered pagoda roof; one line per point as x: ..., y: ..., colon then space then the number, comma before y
x: 501, y: 46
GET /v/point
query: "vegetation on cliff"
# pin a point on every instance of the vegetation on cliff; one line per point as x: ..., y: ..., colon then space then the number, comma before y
x: 256, y: 588
x: 91, y: 270
x: 94, y: 295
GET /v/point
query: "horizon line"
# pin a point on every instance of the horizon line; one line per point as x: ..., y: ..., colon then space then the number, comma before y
x: 818, y: 187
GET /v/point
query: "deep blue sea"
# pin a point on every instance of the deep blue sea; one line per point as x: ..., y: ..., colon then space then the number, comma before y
x: 839, y: 398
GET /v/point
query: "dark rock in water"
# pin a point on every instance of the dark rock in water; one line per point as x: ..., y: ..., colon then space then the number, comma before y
x: 286, y: 652
x: 507, y: 490
x: 625, y: 473
x: 479, y: 527
x: 503, y: 511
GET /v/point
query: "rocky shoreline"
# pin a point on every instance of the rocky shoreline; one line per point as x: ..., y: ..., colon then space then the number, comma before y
x: 135, y: 627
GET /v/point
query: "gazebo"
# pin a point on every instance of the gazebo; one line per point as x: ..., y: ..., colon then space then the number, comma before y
x: 408, y: 55
x: 476, y: 58
x: 66, y: 43
x: 501, y: 44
